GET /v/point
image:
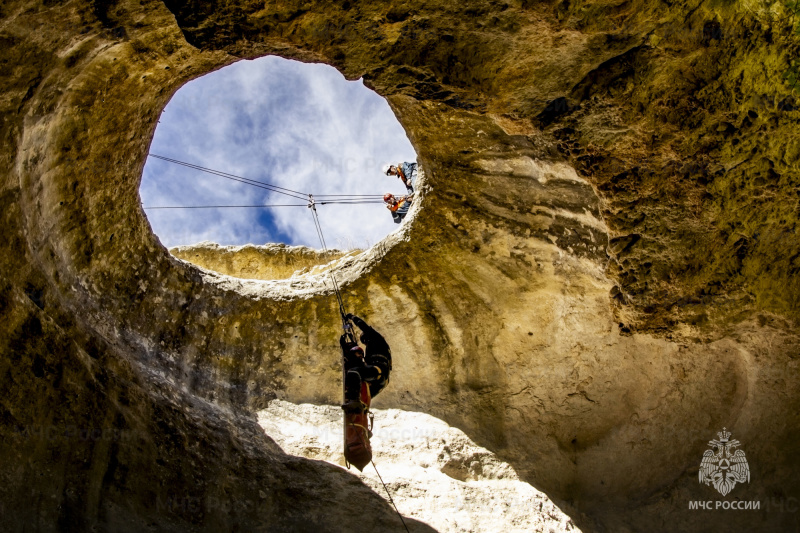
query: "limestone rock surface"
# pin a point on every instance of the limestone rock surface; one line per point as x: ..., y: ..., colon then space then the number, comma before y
x: 434, y: 473
x: 602, y: 274
x: 265, y: 262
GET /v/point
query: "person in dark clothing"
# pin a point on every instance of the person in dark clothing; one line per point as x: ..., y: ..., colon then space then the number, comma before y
x: 372, y: 364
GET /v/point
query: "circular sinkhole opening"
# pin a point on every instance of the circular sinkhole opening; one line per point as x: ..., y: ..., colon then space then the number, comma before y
x: 237, y: 152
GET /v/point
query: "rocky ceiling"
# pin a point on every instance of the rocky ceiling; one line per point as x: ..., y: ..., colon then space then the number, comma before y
x: 601, y: 276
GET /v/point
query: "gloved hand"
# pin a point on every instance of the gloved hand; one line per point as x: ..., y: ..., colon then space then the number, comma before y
x: 349, y: 316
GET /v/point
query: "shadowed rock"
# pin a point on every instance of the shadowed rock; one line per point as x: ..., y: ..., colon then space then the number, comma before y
x: 130, y: 378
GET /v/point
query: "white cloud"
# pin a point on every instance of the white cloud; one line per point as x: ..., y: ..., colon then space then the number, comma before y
x: 299, y: 126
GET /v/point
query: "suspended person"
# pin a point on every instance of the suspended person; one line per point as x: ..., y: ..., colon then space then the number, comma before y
x: 407, y: 172
x: 398, y: 206
x: 371, y: 364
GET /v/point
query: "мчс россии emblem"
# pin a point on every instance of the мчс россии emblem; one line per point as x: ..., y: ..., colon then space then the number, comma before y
x: 723, y: 467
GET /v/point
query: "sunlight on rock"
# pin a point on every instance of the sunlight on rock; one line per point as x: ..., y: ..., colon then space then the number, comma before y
x: 434, y: 472
x: 604, y: 272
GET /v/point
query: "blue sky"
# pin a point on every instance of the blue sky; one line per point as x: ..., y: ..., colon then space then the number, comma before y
x: 295, y: 125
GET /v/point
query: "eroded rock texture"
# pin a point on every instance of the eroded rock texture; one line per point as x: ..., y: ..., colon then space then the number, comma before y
x: 434, y: 472
x: 267, y: 262
x: 602, y: 275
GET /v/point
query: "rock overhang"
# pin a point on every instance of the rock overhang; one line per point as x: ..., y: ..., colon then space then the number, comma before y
x: 502, y: 280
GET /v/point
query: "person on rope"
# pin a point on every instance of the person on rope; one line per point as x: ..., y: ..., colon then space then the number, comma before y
x: 372, y: 364
x: 398, y: 206
x: 407, y: 172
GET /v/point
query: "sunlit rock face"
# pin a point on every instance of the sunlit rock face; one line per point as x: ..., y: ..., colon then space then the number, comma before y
x: 266, y: 262
x: 434, y: 472
x: 600, y: 277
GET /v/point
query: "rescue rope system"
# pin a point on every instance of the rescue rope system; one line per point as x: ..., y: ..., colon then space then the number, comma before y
x: 311, y: 203
x: 321, y: 199
x: 349, y: 331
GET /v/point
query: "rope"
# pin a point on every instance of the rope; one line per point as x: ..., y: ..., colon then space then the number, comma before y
x: 248, y: 181
x: 389, y: 495
x: 351, y: 202
x: 317, y: 226
x: 218, y: 206
x: 341, y: 199
x: 352, y: 199
x: 352, y: 195
x: 330, y: 198
x: 313, y: 206
x: 240, y: 206
x: 333, y: 199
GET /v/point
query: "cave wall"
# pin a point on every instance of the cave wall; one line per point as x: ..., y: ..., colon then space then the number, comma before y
x: 600, y: 277
x: 264, y: 262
